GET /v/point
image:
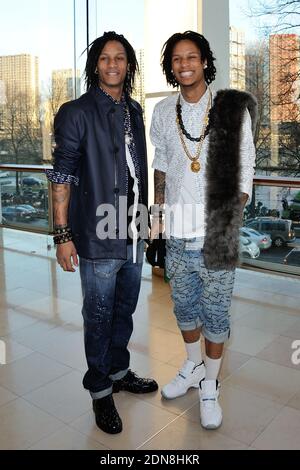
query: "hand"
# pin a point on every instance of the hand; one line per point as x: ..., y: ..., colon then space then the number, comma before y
x: 67, y: 257
x: 157, y: 227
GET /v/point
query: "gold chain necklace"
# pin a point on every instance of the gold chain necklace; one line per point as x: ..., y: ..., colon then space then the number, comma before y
x: 195, y: 165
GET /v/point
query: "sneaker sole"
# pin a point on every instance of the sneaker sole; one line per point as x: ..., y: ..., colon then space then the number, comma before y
x: 178, y: 396
x: 211, y: 427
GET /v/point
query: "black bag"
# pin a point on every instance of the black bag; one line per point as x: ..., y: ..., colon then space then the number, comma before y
x: 156, y: 252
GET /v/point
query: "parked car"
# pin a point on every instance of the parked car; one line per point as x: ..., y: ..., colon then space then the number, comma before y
x: 28, y: 208
x: 293, y: 257
x: 248, y: 249
x: 31, y: 181
x: 14, y: 213
x: 280, y: 230
x: 262, y: 240
x: 3, y: 220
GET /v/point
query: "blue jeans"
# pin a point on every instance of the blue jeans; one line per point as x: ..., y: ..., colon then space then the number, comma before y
x: 110, y: 290
x: 202, y: 297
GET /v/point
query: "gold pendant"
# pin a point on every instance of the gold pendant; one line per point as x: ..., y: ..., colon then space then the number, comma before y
x: 195, y: 167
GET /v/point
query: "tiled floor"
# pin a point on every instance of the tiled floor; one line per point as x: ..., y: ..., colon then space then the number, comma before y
x: 43, y: 404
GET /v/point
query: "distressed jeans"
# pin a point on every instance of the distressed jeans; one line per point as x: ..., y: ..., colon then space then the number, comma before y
x: 110, y: 290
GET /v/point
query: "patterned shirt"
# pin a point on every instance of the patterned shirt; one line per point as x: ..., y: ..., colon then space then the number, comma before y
x: 183, y: 186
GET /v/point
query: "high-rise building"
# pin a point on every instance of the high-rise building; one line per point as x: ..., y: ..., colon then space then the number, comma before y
x: 237, y: 59
x: 284, y: 77
x: 19, y: 75
x: 284, y: 95
x: 2, y: 92
x: 139, y: 88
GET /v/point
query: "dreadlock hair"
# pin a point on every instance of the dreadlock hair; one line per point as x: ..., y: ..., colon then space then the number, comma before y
x: 96, y: 47
x: 204, y: 48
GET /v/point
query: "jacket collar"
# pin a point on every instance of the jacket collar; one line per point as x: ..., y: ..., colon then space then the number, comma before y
x: 106, y: 101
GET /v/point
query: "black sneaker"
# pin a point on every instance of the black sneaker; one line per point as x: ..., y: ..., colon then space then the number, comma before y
x: 107, y: 416
x: 134, y: 384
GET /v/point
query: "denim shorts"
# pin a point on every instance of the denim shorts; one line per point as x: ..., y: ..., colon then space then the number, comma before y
x: 202, y: 297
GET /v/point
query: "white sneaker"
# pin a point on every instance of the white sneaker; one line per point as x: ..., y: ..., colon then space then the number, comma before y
x: 210, y: 410
x: 188, y: 376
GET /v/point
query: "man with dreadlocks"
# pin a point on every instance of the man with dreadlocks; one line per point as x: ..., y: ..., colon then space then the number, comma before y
x: 100, y: 162
x: 204, y: 161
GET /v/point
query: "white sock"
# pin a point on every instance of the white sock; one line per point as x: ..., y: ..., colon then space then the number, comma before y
x: 193, y: 351
x: 212, y: 367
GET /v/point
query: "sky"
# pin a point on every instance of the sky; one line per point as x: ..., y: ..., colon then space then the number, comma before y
x: 45, y: 27
x: 239, y: 17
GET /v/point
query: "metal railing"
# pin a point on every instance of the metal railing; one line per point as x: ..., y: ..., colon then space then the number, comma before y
x: 277, y: 258
x: 25, y: 201
x: 271, y: 259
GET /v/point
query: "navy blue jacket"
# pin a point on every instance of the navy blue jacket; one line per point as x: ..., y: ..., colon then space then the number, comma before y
x: 90, y: 145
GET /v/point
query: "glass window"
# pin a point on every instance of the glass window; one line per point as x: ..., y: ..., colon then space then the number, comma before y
x: 265, y: 226
x: 267, y: 37
x: 40, y: 68
x: 253, y: 225
x: 114, y: 16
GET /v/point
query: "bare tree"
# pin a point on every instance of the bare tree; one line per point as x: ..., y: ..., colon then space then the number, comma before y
x: 283, y: 15
x: 20, y: 128
x: 257, y: 82
x: 279, y: 18
x: 56, y: 95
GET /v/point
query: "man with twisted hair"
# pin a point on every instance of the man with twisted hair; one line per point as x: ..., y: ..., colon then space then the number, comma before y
x: 204, y: 166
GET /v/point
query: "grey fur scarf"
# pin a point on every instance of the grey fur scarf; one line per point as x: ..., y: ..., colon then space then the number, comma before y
x: 223, y: 207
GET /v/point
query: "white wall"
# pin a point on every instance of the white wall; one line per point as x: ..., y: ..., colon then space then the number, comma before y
x: 214, y: 25
x: 162, y: 19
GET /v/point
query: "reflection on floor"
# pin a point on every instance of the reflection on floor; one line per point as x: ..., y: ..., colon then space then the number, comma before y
x: 43, y: 404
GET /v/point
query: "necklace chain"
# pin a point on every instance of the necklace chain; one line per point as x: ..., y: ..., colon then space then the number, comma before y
x: 195, y: 165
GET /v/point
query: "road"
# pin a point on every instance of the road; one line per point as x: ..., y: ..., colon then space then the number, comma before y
x: 277, y: 255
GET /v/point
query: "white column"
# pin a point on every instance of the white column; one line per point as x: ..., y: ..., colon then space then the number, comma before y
x: 213, y: 21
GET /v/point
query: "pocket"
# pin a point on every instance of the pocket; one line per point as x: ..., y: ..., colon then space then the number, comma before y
x: 106, y: 268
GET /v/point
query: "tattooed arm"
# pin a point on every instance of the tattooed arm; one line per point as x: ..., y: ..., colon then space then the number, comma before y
x: 66, y: 253
x: 61, y: 199
x: 157, y: 225
x: 159, y: 187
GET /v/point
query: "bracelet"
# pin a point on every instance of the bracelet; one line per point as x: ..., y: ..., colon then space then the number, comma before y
x: 159, y: 216
x: 62, y: 234
x: 64, y: 238
x: 62, y: 230
x: 156, y: 210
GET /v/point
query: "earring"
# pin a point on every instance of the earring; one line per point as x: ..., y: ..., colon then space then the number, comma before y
x: 205, y: 66
x: 96, y: 71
